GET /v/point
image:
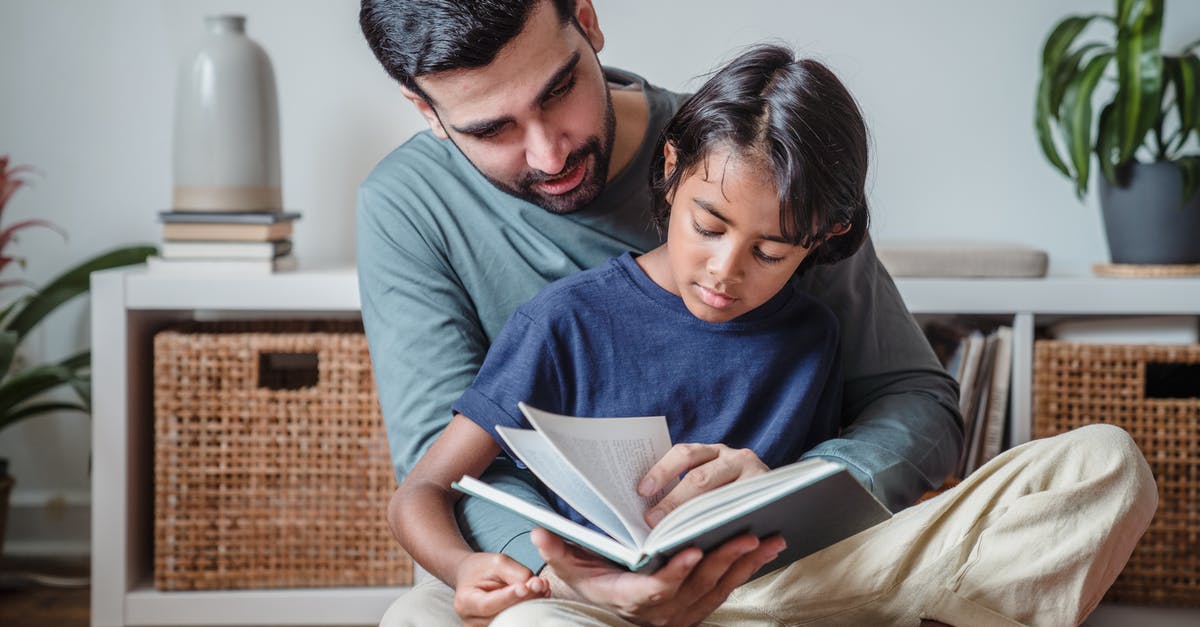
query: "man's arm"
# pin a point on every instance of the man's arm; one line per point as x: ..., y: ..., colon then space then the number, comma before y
x: 426, y: 346
x: 902, y: 432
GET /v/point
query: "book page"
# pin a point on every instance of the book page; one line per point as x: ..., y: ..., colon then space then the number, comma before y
x: 548, y: 465
x: 551, y: 520
x: 612, y: 455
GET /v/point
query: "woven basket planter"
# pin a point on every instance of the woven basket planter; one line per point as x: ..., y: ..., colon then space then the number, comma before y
x: 271, y: 465
x: 1151, y: 392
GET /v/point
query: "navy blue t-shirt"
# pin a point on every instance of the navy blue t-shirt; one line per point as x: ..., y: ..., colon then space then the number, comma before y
x: 611, y: 342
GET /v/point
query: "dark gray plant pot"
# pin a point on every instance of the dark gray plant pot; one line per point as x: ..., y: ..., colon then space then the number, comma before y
x: 1144, y: 221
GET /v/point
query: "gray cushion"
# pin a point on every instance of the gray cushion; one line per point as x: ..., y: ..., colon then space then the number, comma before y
x: 961, y: 258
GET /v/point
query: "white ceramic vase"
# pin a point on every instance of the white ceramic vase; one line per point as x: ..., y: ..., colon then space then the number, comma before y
x: 226, y: 153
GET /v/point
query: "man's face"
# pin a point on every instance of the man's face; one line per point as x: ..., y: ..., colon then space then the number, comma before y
x: 538, y: 121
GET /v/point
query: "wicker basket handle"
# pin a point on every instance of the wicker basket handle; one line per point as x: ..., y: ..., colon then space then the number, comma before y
x: 1172, y: 380
x: 288, y: 370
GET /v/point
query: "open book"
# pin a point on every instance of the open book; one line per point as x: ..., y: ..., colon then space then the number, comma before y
x: 596, y: 464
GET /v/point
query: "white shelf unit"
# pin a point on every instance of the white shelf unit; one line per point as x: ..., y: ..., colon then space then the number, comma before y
x: 130, y: 304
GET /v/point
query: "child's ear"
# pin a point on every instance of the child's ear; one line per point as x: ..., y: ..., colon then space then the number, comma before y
x: 426, y: 111
x: 839, y: 230
x: 670, y: 158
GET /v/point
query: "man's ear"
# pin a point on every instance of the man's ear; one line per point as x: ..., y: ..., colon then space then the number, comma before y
x: 427, y: 112
x: 585, y: 16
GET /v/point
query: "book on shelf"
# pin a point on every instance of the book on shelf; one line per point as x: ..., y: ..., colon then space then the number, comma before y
x: 198, y: 231
x: 997, y: 405
x: 221, y: 267
x: 969, y: 361
x: 973, y: 406
x: 204, y: 249
x: 234, y: 226
x: 595, y: 464
x: 235, y: 217
x: 978, y: 354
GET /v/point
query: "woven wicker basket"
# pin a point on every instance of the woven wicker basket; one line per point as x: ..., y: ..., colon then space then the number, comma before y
x: 1079, y: 384
x: 271, y: 464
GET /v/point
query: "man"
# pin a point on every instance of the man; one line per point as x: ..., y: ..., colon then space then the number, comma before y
x: 535, y: 167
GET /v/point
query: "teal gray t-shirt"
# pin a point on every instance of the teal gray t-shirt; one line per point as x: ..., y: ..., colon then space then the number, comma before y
x: 444, y: 258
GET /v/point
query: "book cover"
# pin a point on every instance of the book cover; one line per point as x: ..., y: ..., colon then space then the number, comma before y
x: 204, y: 249
x: 974, y: 407
x: 595, y: 464
x: 234, y: 217
x: 993, y: 439
x: 187, y: 231
x: 221, y: 267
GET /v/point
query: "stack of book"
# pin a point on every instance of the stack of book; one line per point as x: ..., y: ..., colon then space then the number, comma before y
x: 246, y: 242
x: 979, y: 357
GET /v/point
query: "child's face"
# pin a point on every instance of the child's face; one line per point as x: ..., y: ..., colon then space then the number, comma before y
x: 726, y: 253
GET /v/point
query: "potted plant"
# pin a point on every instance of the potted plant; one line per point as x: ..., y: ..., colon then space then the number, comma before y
x: 22, y: 307
x: 1148, y: 192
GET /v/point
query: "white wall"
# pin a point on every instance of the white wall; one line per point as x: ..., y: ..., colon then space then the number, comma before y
x: 87, y: 89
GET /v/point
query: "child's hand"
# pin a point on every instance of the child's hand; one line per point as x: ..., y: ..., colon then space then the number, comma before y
x: 488, y: 583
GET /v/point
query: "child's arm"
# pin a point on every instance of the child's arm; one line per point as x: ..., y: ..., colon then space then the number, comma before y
x: 421, y: 515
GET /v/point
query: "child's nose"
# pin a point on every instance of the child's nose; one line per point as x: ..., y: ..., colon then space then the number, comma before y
x: 725, y: 266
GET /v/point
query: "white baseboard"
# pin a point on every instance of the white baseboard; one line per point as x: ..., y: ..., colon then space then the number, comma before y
x: 33, y: 548
x: 45, y: 523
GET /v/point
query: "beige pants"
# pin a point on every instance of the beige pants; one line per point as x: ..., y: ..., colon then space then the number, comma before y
x: 1034, y: 537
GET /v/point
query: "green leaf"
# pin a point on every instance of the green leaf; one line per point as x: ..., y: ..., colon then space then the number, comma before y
x: 1189, y: 172
x: 72, y: 283
x: 1126, y: 8
x: 19, y: 388
x: 1077, y: 120
x: 1139, y: 72
x: 1050, y: 95
x: 1069, y: 68
x: 82, y: 359
x: 8, y: 350
x: 1057, y: 73
x: 1061, y: 38
x: 36, y: 409
x: 8, y: 310
x: 1041, y: 120
x: 83, y: 389
x: 1107, y: 150
x: 1184, y: 72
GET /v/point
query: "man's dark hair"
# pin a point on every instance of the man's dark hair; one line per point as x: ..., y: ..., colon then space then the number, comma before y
x: 412, y: 38
x: 798, y: 118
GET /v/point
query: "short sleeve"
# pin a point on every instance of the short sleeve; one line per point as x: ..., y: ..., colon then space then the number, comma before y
x: 521, y: 366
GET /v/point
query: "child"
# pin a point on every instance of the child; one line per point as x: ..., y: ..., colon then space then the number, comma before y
x: 761, y: 175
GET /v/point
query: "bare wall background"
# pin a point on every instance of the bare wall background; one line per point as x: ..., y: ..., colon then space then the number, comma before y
x: 86, y: 93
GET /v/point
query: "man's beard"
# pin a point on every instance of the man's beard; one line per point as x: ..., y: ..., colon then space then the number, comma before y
x: 587, y: 190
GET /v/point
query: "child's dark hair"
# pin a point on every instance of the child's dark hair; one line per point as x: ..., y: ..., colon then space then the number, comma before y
x: 799, y: 118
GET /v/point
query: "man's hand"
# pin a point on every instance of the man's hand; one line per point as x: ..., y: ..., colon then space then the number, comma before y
x: 488, y: 583
x: 685, y: 591
x: 708, y: 466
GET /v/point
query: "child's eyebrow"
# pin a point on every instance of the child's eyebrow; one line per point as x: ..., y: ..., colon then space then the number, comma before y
x: 707, y: 206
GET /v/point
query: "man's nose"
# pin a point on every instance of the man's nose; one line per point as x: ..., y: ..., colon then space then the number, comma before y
x: 546, y: 148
